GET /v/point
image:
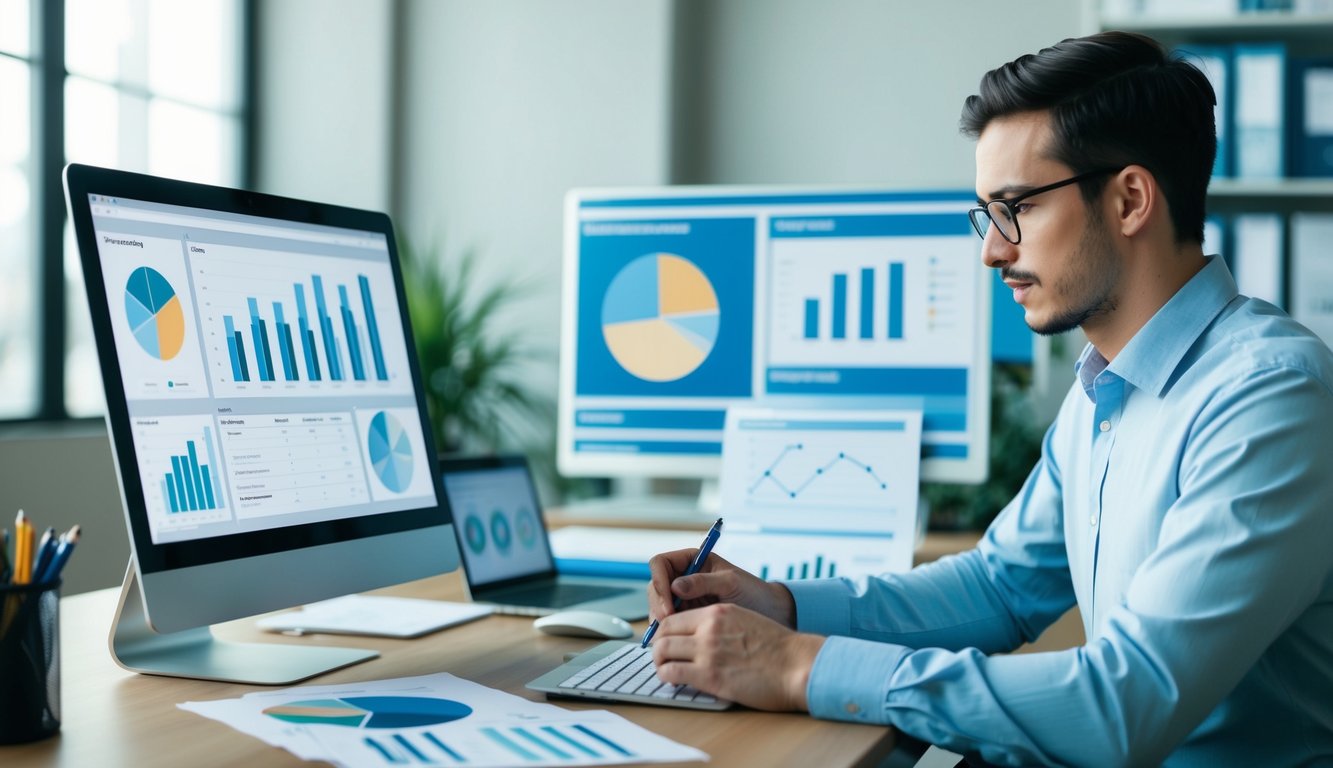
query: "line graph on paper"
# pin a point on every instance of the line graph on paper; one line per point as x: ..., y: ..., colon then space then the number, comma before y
x: 843, y: 472
x: 788, y: 479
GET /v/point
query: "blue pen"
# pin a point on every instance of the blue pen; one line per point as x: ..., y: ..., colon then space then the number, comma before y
x: 45, y: 551
x: 58, y: 560
x: 695, y: 565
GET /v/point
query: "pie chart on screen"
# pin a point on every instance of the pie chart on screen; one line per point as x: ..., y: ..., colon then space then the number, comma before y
x: 390, y: 452
x: 154, y: 313
x: 660, y: 317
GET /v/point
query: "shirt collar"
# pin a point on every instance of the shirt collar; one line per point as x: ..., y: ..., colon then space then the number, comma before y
x: 1150, y: 358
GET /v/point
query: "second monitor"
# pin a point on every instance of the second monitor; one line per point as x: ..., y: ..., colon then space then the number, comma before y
x: 681, y: 302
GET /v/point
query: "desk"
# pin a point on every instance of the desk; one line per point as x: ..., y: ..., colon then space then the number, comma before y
x: 111, y: 717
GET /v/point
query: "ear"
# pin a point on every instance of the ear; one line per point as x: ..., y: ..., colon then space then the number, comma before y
x: 1134, y: 198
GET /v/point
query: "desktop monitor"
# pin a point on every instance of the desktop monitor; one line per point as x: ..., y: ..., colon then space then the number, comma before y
x: 265, y: 411
x: 679, y: 302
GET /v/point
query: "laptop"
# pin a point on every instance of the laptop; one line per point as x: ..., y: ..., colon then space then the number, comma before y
x: 506, y: 551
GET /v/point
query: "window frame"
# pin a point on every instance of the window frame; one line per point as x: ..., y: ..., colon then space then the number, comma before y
x: 49, y: 74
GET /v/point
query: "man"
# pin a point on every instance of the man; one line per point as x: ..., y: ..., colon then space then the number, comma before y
x: 1183, y: 499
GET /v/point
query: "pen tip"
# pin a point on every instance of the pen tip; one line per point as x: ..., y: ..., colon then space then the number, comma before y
x: 74, y: 532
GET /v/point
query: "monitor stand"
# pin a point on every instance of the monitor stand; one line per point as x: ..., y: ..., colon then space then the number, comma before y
x: 196, y: 653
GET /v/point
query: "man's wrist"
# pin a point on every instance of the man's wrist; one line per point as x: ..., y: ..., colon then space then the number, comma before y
x: 784, y: 605
x: 803, y: 649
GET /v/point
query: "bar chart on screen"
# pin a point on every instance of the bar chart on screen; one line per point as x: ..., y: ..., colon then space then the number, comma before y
x: 182, y: 477
x: 269, y: 328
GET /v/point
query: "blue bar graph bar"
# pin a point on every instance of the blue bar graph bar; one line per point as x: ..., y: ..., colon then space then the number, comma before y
x: 240, y: 352
x: 169, y: 493
x: 259, y: 332
x: 177, y: 478
x: 353, y: 337
x: 542, y: 743
x: 388, y: 756
x: 571, y: 742
x: 832, y: 570
x: 819, y: 566
x: 805, y: 570
x: 236, y: 373
x: 763, y: 572
x: 867, y: 303
x: 895, y: 300
x: 331, y: 353
x: 307, y: 337
x: 285, y: 343
x: 213, y: 462
x: 208, y: 488
x: 510, y: 744
x: 594, y: 734
x: 407, y: 745
x: 812, y: 318
x: 840, y: 306
x: 433, y: 739
x: 197, y: 476
x: 181, y: 464
x: 373, y: 327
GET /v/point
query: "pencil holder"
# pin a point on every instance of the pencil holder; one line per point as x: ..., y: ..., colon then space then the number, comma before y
x: 29, y: 661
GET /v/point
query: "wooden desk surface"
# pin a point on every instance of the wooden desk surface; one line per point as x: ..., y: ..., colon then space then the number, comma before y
x: 111, y: 717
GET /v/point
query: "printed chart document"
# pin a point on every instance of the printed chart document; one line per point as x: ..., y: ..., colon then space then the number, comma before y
x: 374, y: 615
x: 820, y: 494
x: 436, y: 719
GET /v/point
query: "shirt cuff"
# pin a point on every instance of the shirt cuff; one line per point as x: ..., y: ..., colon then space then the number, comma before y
x: 823, y: 606
x: 850, y: 679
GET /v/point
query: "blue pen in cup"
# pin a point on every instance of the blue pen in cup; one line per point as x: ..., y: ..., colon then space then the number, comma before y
x: 704, y: 549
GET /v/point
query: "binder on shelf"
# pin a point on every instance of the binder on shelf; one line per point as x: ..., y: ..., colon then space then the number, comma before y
x: 1312, y: 273
x: 1258, y: 129
x: 1257, y: 242
x: 1310, y: 128
x: 1215, y: 62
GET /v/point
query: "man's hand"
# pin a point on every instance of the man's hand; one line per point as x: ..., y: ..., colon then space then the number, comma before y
x: 718, y: 581
x: 736, y: 654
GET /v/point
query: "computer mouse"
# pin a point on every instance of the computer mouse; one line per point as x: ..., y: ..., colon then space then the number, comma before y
x: 584, y: 624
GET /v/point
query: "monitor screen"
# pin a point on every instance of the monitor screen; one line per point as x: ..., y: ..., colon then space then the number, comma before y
x: 269, y: 433
x: 680, y: 302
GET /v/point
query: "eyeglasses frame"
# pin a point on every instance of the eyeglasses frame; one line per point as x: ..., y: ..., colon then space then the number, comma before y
x: 1011, y: 202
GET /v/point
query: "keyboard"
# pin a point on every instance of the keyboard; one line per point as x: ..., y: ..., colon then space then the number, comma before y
x: 620, y: 671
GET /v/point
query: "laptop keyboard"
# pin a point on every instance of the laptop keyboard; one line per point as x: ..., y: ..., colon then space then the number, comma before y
x: 630, y: 671
x: 559, y: 595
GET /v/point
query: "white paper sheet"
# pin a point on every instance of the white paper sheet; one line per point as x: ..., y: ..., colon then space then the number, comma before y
x: 436, y: 719
x: 375, y: 615
x: 812, y: 490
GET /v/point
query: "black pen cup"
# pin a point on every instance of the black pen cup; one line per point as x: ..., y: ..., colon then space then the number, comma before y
x: 29, y: 661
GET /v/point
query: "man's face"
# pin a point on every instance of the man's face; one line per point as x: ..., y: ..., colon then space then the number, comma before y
x: 1064, y: 271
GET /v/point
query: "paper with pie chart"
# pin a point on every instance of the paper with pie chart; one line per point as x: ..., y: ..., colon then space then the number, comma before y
x: 436, y: 719
x: 660, y: 317
x: 394, y: 452
x: 152, y: 318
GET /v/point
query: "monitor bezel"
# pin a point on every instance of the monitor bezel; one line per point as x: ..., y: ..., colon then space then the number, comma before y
x: 84, y: 180
x: 973, y: 469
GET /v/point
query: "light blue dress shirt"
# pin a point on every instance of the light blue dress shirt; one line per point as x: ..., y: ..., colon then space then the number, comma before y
x: 1184, y: 500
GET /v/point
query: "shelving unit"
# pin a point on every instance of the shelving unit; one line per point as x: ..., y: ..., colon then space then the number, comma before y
x: 1304, y: 35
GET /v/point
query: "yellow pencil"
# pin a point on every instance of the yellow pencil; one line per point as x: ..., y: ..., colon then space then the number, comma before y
x: 22, y: 549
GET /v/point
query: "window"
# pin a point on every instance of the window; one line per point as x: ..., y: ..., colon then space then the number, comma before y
x: 155, y: 86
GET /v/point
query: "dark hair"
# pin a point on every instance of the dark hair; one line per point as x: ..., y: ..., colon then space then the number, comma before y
x: 1115, y: 98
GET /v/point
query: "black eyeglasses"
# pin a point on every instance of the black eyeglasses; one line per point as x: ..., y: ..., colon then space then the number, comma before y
x: 1004, y: 213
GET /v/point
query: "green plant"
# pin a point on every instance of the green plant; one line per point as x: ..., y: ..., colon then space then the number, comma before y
x: 477, y: 374
x: 1015, y: 446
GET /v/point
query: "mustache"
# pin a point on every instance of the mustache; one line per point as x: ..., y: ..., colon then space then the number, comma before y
x: 1023, y: 277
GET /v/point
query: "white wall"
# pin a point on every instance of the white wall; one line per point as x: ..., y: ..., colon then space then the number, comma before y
x: 325, y: 100
x: 505, y: 106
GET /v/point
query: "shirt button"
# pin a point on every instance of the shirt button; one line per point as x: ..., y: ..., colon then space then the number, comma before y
x: 851, y: 708
x: 1105, y: 426
x: 1092, y: 520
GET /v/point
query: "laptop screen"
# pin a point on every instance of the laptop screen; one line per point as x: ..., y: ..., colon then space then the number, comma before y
x: 499, y: 523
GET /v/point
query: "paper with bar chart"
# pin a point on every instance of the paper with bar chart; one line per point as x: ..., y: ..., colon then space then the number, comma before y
x: 178, y: 465
x: 820, y: 493
x: 313, y: 330
x: 153, y: 318
x: 436, y: 720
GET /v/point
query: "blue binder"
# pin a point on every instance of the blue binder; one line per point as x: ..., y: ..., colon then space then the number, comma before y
x: 1260, y: 111
x: 1215, y: 62
x: 1310, y: 127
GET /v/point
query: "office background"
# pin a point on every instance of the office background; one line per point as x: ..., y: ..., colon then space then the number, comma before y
x: 468, y: 120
